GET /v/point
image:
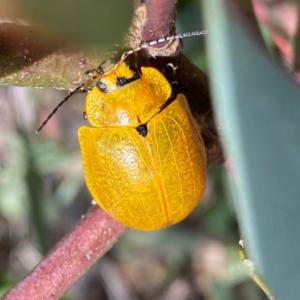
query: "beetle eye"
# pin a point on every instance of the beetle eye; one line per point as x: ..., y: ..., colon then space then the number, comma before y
x: 84, y: 115
x: 102, y: 86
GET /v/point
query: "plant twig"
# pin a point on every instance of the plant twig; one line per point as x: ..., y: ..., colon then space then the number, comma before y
x: 94, y: 235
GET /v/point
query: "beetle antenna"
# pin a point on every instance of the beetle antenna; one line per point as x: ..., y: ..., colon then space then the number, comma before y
x: 161, y: 40
x: 93, y: 75
x: 58, y: 107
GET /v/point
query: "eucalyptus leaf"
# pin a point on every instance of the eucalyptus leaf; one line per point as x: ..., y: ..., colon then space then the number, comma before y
x: 258, y: 109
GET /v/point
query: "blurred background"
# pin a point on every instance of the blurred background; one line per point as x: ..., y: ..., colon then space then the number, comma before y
x: 43, y: 194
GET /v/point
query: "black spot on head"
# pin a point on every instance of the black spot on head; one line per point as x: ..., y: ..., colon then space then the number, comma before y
x: 84, y: 115
x: 122, y: 81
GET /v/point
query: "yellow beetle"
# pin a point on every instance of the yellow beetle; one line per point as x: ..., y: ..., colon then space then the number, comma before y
x: 144, y: 160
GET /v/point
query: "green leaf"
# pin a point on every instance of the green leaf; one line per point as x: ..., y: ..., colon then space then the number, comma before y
x: 258, y: 108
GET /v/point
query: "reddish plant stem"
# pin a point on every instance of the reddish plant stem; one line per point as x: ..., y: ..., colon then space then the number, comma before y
x: 94, y: 235
x: 160, y: 15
